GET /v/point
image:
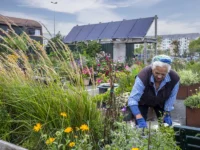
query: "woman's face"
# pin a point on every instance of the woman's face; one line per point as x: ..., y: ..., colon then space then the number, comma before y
x: 159, y: 73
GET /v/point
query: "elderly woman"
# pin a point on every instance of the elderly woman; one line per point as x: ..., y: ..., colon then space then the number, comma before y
x: 155, y: 86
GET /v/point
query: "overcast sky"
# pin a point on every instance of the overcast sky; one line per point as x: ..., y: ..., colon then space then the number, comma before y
x: 175, y: 16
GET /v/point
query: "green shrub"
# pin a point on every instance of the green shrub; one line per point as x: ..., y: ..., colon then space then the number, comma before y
x: 125, y: 81
x: 127, y: 138
x: 192, y: 65
x: 193, y: 101
x: 187, y: 77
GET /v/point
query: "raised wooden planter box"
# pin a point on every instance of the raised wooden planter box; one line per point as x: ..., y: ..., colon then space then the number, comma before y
x: 185, y: 91
x: 193, y: 117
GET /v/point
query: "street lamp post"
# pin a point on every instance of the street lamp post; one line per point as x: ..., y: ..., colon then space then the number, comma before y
x: 54, y: 17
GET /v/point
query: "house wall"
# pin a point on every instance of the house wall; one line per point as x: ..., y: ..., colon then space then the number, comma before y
x: 37, y: 32
x: 119, y: 52
x: 129, y: 50
x: 108, y: 48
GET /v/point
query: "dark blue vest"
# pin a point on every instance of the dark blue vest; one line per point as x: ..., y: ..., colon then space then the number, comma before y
x: 149, y: 97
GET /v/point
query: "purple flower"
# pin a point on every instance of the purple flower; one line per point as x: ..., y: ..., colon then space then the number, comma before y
x: 123, y: 109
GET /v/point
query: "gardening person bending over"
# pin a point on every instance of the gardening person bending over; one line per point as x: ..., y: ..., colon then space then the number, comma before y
x: 155, y: 86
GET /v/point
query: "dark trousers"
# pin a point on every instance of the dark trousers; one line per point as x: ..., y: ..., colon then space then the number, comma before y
x: 144, y: 110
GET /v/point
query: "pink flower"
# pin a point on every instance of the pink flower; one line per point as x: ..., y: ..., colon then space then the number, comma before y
x: 86, y: 72
x: 127, y: 68
x: 99, y: 65
x: 99, y: 81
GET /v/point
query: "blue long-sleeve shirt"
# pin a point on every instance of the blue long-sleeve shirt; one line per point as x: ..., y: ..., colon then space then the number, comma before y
x: 138, y: 90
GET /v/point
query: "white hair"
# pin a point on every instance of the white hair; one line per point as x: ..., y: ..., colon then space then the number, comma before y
x: 160, y: 64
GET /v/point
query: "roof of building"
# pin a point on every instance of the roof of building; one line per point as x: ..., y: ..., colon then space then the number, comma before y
x: 126, y: 29
x: 19, y: 21
x: 177, y: 36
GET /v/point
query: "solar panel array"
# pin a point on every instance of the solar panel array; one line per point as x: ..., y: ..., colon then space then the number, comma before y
x: 136, y: 28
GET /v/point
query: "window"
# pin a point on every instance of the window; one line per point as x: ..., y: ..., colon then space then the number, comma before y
x: 31, y: 31
x: 37, y: 32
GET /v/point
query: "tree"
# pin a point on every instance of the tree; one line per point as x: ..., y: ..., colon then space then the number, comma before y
x: 194, y: 46
x: 176, y: 46
x: 56, y: 40
x: 54, y: 44
x: 90, y: 49
x: 139, y: 49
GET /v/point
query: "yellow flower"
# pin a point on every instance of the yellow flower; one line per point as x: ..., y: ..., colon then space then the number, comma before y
x: 76, y: 136
x: 135, y: 149
x: 50, y: 141
x: 84, y: 127
x: 37, y: 127
x: 68, y: 130
x: 63, y: 114
x: 71, y: 144
x: 12, y: 58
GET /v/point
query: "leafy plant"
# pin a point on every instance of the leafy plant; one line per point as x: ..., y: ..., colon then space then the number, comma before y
x: 187, y: 77
x: 36, y: 94
x: 192, y: 65
x: 193, y: 101
x: 89, y: 49
x: 127, y: 138
x: 194, y: 46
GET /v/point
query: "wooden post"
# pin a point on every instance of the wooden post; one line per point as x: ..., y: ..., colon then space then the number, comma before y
x: 156, y: 21
x: 145, y: 52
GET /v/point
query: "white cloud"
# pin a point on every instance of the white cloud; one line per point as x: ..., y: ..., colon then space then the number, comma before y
x: 134, y: 3
x: 175, y: 16
x: 76, y: 6
x: 67, y: 6
x: 86, y: 11
x: 175, y: 27
x: 96, y: 16
x: 63, y: 27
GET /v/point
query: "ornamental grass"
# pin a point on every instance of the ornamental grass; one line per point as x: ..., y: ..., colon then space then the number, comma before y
x: 33, y: 94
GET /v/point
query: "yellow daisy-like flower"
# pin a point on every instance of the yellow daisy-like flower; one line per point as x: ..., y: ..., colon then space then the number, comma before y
x: 63, y: 114
x: 71, y: 144
x: 84, y: 127
x: 76, y: 136
x: 50, y: 141
x: 68, y: 130
x: 37, y: 127
x: 135, y: 149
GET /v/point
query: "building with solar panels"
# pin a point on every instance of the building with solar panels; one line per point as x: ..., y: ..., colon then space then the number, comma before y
x: 31, y: 27
x: 117, y: 38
